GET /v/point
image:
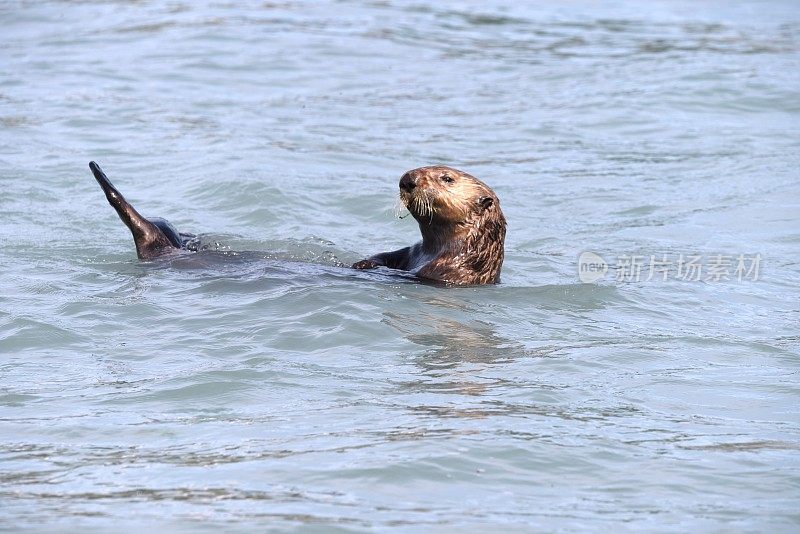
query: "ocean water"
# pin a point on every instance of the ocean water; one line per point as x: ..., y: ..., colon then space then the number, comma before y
x: 262, y: 384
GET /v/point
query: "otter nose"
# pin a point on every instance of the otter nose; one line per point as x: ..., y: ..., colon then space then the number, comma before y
x: 408, y: 182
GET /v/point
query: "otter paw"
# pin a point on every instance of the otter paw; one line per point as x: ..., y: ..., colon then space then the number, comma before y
x: 366, y: 264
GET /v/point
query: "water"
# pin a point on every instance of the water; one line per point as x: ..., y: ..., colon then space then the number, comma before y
x: 277, y: 388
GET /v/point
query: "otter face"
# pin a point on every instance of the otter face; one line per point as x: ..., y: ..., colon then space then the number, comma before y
x: 443, y: 195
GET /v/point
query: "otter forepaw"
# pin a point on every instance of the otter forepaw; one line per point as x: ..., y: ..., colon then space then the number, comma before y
x: 369, y: 263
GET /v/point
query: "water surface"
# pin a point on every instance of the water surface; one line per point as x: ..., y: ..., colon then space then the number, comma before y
x: 277, y: 388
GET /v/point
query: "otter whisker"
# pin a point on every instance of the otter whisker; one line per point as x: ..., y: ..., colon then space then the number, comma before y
x: 399, y: 207
x: 419, y: 206
x: 429, y: 208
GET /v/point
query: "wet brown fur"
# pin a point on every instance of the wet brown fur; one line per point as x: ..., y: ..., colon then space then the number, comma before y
x: 463, y: 229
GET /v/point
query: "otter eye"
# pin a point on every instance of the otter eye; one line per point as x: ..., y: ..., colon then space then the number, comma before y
x: 446, y: 178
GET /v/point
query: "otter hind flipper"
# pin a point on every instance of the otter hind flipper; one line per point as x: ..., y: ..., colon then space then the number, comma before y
x: 152, y: 238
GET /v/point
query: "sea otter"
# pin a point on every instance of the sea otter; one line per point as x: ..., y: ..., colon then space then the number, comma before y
x: 462, y: 226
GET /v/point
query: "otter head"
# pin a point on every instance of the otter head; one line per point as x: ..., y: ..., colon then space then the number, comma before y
x: 442, y: 196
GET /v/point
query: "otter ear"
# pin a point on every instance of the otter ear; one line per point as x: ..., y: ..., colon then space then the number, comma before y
x: 485, y: 202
